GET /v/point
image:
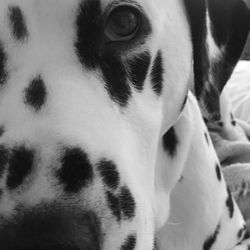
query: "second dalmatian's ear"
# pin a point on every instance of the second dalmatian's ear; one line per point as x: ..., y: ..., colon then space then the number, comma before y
x: 219, y: 30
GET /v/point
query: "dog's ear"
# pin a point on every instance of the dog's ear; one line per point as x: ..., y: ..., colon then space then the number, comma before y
x: 219, y: 30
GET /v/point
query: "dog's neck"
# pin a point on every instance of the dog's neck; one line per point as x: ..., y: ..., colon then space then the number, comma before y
x: 191, y: 196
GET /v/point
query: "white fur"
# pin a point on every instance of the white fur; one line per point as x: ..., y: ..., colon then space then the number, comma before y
x: 79, y: 112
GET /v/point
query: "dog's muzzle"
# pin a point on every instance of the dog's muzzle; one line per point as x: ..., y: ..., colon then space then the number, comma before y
x: 51, y: 229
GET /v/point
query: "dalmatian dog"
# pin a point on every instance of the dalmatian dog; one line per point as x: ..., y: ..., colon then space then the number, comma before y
x: 230, y: 136
x: 103, y: 145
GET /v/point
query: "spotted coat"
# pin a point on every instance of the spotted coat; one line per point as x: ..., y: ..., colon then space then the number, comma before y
x: 102, y: 144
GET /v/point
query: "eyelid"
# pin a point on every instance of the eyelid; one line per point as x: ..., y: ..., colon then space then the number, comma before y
x: 133, y: 9
x: 117, y: 4
x: 142, y: 33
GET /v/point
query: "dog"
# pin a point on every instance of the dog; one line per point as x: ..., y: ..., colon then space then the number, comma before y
x: 230, y: 137
x: 103, y: 144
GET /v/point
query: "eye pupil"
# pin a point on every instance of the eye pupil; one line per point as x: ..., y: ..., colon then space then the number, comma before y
x: 122, y: 23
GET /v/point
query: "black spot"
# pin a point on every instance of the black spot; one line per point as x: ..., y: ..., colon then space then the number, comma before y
x: 127, y: 203
x: 4, y: 156
x: 20, y: 165
x: 242, y: 232
x: 114, y: 205
x: 211, y: 239
x: 230, y: 204
x: 90, y: 28
x: 76, y: 170
x: 35, y: 94
x: 123, y: 205
x: 17, y: 22
x: 246, y: 235
x: 139, y: 69
x: 3, y: 59
x: 155, y: 244
x: 115, y: 77
x: 233, y: 122
x: 220, y: 124
x: 157, y: 74
x: 109, y: 173
x: 218, y: 172
x: 1, y: 131
x: 130, y: 243
x: 243, y: 188
x: 207, y: 139
x: 170, y: 142
x: 205, y: 120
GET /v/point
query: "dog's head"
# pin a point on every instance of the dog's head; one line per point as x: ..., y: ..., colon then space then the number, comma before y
x: 87, y: 91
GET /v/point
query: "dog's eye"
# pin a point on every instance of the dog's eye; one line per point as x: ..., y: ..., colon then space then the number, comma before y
x: 122, y: 23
